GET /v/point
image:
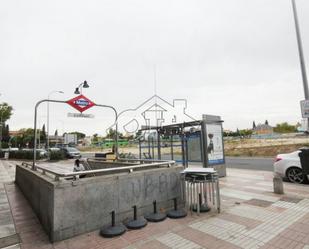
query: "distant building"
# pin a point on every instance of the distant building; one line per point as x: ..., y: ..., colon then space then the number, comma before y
x: 15, y: 133
x: 263, y: 129
x: 56, y: 139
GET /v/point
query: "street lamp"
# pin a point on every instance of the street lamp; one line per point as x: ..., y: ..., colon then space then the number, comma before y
x: 78, y: 90
x: 48, y: 117
x: 301, y: 54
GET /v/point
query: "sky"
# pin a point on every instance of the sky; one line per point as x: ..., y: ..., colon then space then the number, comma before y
x: 233, y: 58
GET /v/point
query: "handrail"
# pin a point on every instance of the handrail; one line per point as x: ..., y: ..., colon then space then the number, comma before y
x: 72, y: 174
x: 126, y: 159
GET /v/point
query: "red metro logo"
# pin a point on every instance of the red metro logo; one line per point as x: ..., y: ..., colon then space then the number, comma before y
x: 81, y: 103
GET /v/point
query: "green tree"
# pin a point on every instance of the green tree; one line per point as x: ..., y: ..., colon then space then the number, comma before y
x: 25, y: 138
x: 285, y: 128
x: 95, y: 138
x: 56, y: 133
x: 43, y: 136
x: 112, y: 133
x: 6, y: 112
x: 253, y: 125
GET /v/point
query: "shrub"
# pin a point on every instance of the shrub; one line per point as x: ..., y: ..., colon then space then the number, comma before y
x: 21, y: 154
x: 56, y: 155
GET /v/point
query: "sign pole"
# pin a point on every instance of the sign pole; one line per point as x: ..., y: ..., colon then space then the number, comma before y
x: 301, y: 55
x: 65, y: 102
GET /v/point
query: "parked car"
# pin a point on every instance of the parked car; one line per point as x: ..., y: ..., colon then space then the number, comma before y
x: 71, y: 152
x: 288, y: 166
x: 54, y: 149
x: 41, y: 152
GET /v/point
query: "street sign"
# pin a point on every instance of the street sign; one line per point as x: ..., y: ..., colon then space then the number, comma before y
x: 80, y: 115
x: 304, y: 105
x: 81, y: 103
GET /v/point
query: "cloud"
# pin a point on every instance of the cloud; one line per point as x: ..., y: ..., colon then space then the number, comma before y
x: 234, y: 58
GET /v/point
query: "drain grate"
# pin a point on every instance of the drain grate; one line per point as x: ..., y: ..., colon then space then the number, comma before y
x: 259, y: 203
x: 291, y: 199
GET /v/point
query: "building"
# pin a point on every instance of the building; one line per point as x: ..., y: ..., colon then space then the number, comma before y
x: 263, y: 129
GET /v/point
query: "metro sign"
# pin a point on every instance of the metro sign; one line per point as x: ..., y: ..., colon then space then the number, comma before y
x: 81, y: 103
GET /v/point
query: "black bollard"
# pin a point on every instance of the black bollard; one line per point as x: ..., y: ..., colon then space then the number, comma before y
x: 203, y: 207
x: 176, y: 213
x: 136, y: 223
x: 113, y: 230
x: 155, y: 216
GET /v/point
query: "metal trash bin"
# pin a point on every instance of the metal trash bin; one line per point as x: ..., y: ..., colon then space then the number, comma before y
x: 201, y: 183
x: 304, y: 160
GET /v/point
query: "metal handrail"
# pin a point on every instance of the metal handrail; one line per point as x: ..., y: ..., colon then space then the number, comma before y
x: 72, y: 174
x: 126, y: 159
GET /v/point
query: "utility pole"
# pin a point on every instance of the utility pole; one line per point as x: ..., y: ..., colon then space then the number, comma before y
x: 301, y: 55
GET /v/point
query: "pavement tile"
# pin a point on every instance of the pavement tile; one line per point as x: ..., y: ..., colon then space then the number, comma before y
x: 252, y: 217
x: 154, y: 244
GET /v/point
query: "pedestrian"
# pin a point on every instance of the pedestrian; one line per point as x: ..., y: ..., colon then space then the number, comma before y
x: 78, y: 167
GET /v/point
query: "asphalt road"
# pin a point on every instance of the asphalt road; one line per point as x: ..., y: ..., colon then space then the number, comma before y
x: 255, y: 163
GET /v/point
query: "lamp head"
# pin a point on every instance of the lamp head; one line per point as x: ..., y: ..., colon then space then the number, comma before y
x: 85, y: 85
x: 76, y: 91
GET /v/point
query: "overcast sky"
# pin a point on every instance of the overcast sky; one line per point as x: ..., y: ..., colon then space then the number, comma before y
x: 234, y: 58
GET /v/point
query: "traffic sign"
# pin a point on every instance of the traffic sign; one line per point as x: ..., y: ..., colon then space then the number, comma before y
x: 304, y: 105
x: 81, y: 103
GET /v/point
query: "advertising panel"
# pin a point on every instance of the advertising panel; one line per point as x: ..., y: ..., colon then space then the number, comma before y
x: 214, y: 144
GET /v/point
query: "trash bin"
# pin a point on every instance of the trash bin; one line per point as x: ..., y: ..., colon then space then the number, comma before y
x: 304, y: 160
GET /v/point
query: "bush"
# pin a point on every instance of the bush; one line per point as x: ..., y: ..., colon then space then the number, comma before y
x: 56, y: 155
x: 21, y: 154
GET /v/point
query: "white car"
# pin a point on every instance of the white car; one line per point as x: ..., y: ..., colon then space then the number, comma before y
x: 288, y: 165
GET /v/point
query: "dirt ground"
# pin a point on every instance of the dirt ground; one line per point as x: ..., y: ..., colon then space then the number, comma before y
x: 235, y: 147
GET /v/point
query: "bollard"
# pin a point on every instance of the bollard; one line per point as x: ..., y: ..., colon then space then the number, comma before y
x: 155, y: 216
x: 136, y: 223
x: 113, y: 230
x: 176, y: 213
x: 278, y: 184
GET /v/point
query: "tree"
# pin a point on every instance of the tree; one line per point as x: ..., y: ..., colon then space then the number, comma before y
x: 112, y: 133
x: 6, y: 112
x: 43, y: 135
x: 254, y: 125
x: 285, y: 128
x: 25, y: 138
x: 237, y: 132
x: 5, y: 133
x: 95, y: 138
x: 56, y: 133
x: 266, y: 122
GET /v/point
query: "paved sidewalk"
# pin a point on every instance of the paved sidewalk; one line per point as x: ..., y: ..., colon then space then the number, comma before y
x: 8, y: 234
x: 252, y: 217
